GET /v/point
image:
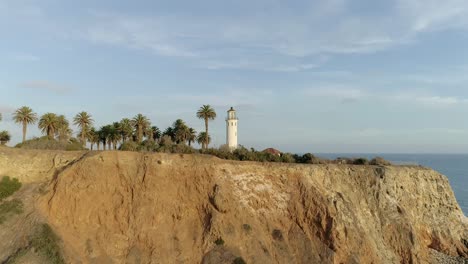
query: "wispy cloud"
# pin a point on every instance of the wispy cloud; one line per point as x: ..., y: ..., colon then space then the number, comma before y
x: 46, y: 86
x: 25, y: 57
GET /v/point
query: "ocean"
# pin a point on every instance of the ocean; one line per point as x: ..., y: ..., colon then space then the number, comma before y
x: 454, y: 166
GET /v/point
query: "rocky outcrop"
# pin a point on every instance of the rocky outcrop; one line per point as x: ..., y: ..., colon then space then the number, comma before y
x: 118, y: 207
x: 123, y: 207
x: 32, y: 166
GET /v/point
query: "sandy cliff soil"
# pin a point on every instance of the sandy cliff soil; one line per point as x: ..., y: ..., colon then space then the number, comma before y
x: 122, y: 207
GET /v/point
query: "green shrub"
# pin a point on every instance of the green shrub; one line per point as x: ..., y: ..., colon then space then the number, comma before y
x: 239, y: 260
x: 45, y: 243
x: 129, y: 146
x: 219, y: 241
x: 51, y: 144
x: 9, y: 208
x: 287, y: 158
x: 5, y: 137
x: 8, y: 186
x: 361, y: 161
x: 247, y: 227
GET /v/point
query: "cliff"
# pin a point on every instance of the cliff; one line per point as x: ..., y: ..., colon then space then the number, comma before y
x: 122, y: 207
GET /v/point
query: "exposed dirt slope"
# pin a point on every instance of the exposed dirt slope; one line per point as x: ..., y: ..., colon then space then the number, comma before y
x: 119, y: 207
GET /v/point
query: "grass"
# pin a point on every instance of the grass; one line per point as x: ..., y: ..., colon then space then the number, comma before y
x: 45, y: 241
x: 10, y: 208
x: 8, y: 186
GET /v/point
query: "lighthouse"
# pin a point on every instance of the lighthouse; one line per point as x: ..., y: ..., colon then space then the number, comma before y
x: 231, y: 128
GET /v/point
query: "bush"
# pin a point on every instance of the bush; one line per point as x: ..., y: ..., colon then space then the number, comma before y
x: 5, y: 137
x: 219, y: 241
x: 46, y: 244
x: 287, y: 158
x: 8, y: 186
x: 10, y: 208
x: 51, y: 144
x: 361, y: 161
x: 380, y: 162
x: 129, y: 146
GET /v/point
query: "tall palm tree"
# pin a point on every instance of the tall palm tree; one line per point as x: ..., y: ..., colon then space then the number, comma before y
x: 203, y: 139
x: 126, y: 129
x: 102, y: 133
x: 63, y: 130
x: 48, y: 124
x: 84, y: 121
x: 181, y: 131
x: 156, y: 133
x: 93, y: 138
x: 170, y: 133
x: 141, y: 123
x: 206, y: 113
x: 24, y: 116
x: 192, y: 136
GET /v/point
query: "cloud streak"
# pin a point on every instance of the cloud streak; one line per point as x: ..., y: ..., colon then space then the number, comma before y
x: 46, y: 86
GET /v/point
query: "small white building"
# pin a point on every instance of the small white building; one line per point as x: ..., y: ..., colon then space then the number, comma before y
x: 231, y: 129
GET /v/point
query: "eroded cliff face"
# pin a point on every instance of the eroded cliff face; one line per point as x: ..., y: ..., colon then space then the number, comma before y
x: 121, y: 207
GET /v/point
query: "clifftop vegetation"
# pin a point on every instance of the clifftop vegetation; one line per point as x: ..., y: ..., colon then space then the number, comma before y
x: 138, y: 134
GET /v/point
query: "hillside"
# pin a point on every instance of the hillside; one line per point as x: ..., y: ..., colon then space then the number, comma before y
x: 127, y: 207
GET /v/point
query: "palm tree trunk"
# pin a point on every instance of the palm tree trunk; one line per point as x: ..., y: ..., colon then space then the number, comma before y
x: 91, y: 145
x: 98, y: 145
x: 83, y: 140
x: 25, y: 127
x: 206, y: 130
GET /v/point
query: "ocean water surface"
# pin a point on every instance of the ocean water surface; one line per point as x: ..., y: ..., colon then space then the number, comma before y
x: 454, y: 166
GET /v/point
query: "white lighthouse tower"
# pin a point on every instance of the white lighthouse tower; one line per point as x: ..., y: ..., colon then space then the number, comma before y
x: 231, y: 128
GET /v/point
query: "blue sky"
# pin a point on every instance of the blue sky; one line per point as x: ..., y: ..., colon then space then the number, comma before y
x: 318, y: 76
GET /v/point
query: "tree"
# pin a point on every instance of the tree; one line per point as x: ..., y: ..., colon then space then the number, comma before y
x: 181, y: 131
x: 48, y: 124
x: 5, y: 137
x: 93, y: 138
x: 192, y: 136
x: 170, y: 133
x: 63, y: 131
x: 141, y: 123
x: 156, y: 133
x: 206, y: 113
x: 126, y: 129
x: 84, y: 121
x: 203, y: 139
x: 24, y: 116
x: 102, y: 134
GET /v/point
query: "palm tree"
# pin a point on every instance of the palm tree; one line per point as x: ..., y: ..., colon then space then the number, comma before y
x: 206, y: 113
x: 63, y: 130
x: 192, y: 136
x: 93, y: 138
x: 24, y: 116
x: 203, y: 139
x: 141, y: 123
x: 84, y: 121
x: 102, y: 134
x: 170, y: 133
x: 126, y: 129
x: 156, y: 133
x: 48, y: 123
x: 181, y: 131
